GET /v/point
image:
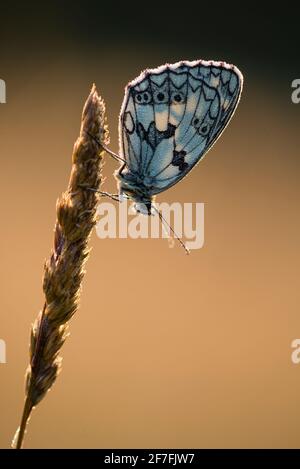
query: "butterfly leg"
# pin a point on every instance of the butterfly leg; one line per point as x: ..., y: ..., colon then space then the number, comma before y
x: 102, y: 193
x: 104, y: 147
x: 111, y: 196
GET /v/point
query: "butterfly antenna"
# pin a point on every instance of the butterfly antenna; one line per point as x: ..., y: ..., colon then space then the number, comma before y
x: 164, y: 222
x: 111, y: 153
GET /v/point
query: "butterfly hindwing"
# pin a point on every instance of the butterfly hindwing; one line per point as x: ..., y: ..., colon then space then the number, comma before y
x: 172, y: 115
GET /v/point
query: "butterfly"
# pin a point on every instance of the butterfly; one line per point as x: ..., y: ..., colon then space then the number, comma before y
x: 170, y: 117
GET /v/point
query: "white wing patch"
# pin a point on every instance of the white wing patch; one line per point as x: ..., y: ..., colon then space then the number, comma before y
x: 172, y: 115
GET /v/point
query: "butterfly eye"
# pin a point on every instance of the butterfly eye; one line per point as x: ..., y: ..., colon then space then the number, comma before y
x: 139, y: 98
x: 204, y: 129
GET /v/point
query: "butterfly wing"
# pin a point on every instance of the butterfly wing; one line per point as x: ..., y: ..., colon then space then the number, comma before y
x: 172, y: 115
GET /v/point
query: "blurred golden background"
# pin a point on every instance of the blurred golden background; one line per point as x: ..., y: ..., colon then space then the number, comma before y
x: 166, y: 350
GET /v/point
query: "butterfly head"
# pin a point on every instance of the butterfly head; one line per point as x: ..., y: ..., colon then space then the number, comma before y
x: 133, y: 187
x: 142, y: 203
x: 144, y: 207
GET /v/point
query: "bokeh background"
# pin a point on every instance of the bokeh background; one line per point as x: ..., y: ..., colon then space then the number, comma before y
x: 167, y: 350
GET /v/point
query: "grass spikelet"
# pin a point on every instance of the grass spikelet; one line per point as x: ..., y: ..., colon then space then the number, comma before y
x: 64, y: 271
